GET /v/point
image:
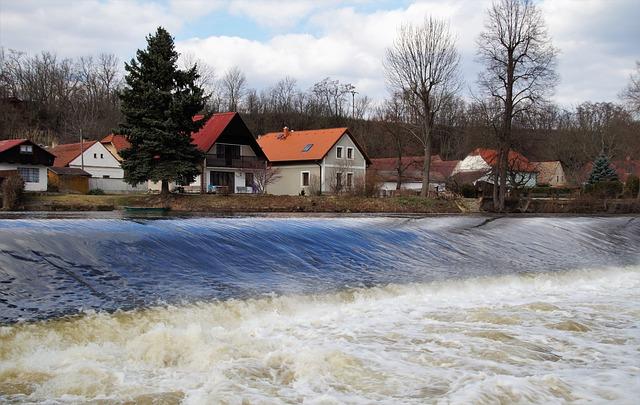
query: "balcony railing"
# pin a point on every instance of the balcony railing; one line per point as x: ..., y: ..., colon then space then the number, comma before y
x: 244, y: 162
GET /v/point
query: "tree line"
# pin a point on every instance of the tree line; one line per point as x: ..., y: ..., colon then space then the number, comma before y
x: 48, y: 98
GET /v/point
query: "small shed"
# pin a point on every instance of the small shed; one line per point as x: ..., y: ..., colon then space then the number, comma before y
x: 68, y: 180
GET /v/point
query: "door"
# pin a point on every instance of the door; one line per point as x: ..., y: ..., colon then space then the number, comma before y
x: 223, y: 179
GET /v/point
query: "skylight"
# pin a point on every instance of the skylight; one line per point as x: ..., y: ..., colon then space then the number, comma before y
x: 307, y: 147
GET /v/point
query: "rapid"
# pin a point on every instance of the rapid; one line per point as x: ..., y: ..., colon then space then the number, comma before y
x: 320, y: 310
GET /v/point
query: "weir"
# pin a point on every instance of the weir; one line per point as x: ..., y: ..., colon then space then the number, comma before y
x: 50, y: 268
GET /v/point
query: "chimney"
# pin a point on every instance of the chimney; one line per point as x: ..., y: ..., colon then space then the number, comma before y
x: 285, y: 132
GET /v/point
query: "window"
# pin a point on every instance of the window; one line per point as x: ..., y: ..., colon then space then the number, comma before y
x: 29, y: 174
x: 95, y: 155
x: 248, y: 179
x: 307, y: 147
x: 339, y: 152
x: 106, y: 176
x: 101, y: 156
x: 349, y: 153
x: 338, y: 181
x: 349, y: 180
x: 26, y: 149
x: 305, y: 179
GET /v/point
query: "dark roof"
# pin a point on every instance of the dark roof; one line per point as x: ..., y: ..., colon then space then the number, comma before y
x: 69, y: 171
x: 439, y: 171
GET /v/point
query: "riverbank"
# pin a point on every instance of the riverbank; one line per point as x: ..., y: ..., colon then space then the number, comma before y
x: 208, y: 203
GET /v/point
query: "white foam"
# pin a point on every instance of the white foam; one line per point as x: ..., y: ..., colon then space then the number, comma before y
x: 546, y: 338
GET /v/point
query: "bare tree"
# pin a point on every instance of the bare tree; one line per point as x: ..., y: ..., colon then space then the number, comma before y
x: 263, y: 177
x: 519, y: 70
x: 233, y: 86
x: 632, y: 93
x: 422, y: 65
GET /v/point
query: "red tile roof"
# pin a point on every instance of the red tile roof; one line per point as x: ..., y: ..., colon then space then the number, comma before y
x: 517, y: 161
x: 66, y: 153
x: 119, y: 142
x: 440, y: 169
x: 281, y: 148
x: 212, y: 129
x: 10, y: 143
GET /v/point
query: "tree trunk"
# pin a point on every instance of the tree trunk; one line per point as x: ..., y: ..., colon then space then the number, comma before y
x: 504, y: 158
x: 164, y: 191
x: 424, y: 192
x: 496, y: 186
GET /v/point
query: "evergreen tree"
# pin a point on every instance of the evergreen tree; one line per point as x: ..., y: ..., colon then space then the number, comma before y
x: 158, y: 105
x: 602, y: 171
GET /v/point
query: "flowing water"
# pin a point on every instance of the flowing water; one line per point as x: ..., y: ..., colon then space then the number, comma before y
x: 320, y: 310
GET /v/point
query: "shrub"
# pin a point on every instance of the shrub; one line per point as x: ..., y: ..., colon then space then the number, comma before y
x: 96, y: 191
x: 12, y: 190
x: 631, y: 186
x: 468, y: 190
x: 370, y: 186
x: 604, y: 189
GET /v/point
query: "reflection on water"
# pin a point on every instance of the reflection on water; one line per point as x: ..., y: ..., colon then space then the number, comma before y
x: 343, y: 310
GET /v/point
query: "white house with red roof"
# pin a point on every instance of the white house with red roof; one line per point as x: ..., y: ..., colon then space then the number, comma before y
x: 232, y: 156
x: 407, y: 173
x: 481, y: 164
x: 30, y: 161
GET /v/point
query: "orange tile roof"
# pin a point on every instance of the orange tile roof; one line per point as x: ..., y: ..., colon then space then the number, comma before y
x: 517, y: 161
x: 280, y: 148
x: 119, y: 142
x: 67, y: 152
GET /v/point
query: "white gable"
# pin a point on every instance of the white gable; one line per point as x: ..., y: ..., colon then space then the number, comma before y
x: 471, y: 163
x: 97, y: 155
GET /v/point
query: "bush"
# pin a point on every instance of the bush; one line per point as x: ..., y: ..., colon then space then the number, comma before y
x: 12, y: 190
x: 632, y: 186
x: 604, y: 189
x: 96, y: 191
x: 468, y: 190
x: 370, y: 186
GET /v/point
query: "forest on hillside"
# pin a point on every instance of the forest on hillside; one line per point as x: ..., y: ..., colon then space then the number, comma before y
x: 54, y: 100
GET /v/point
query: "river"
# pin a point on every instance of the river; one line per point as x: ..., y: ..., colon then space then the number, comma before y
x: 320, y: 310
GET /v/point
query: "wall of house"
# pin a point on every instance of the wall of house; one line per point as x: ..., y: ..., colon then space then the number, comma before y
x: 332, y: 164
x: 558, y: 179
x: 41, y: 185
x: 290, y: 179
x: 99, y: 162
x: 68, y: 183
x: 471, y: 164
x: 116, y: 186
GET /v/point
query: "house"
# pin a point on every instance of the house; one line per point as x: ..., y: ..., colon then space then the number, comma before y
x: 27, y: 159
x: 115, y: 144
x: 411, y: 168
x: 480, y: 166
x: 94, y: 158
x: 232, y: 156
x: 68, y: 180
x: 551, y: 173
x: 314, y: 161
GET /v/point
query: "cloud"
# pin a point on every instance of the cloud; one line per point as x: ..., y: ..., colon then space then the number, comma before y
x: 310, y: 40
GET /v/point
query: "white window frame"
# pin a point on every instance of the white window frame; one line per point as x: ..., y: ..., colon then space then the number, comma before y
x: 26, y: 149
x: 347, y: 185
x: 339, y: 154
x: 302, y: 178
x: 350, y: 149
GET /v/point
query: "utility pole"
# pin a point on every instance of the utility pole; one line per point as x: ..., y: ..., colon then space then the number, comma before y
x: 353, y: 102
x: 81, y: 150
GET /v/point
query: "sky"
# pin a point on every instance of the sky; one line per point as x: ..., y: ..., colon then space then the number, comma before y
x: 308, y: 40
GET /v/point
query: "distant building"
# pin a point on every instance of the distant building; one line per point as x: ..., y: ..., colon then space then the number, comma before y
x: 115, y: 144
x: 551, y: 173
x: 30, y: 161
x: 409, y: 171
x: 68, y: 180
x: 319, y: 160
x: 624, y: 169
x: 480, y: 166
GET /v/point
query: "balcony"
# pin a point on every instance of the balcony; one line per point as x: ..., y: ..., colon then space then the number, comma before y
x: 242, y: 162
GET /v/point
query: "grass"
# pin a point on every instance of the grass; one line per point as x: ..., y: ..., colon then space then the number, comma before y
x: 240, y: 203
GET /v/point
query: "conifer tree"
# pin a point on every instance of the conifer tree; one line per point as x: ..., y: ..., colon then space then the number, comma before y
x: 602, y: 171
x: 158, y: 105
